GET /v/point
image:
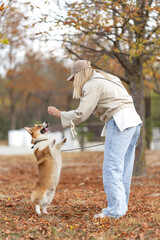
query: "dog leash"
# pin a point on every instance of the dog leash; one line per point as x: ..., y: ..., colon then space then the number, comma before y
x: 71, y: 149
x: 74, y: 149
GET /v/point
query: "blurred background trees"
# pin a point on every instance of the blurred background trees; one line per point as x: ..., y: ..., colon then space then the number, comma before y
x: 28, y: 90
x: 30, y: 80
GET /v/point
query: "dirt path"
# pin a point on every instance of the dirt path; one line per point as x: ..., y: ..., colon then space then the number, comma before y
x: 78, y: 197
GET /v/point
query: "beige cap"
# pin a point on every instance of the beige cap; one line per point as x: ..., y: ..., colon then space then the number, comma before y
x: 78, y: 66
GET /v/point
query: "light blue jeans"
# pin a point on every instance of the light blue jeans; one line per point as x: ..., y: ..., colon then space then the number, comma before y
x: 118, y: 164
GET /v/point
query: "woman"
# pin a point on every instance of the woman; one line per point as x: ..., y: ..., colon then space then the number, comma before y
x: 104, y: 95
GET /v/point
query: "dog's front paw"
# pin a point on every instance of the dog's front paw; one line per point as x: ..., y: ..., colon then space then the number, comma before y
x: 53, y: 142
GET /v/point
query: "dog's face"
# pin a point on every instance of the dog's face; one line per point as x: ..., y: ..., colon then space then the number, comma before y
x: 39, y: 131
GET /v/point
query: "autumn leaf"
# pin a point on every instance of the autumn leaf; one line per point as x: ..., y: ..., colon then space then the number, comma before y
x: 4, y: 41
x: 2, y: 7
x: 144, y: 225
x: 38, y: 33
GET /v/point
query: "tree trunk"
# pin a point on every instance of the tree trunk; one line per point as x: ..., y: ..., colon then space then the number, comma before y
x: 13, y: 117
x: 137, y: 92
x: 12, y: 112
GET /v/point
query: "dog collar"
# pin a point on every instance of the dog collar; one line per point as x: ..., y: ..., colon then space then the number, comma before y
x: 38, y: 142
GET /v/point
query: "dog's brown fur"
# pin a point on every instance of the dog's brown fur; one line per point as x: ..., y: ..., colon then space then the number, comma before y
x: 49, y: 165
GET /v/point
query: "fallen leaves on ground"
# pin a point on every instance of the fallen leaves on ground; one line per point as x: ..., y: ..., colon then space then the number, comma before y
x: 78, y: 197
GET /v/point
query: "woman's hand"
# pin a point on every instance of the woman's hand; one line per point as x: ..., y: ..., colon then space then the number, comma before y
x: 54, y: 111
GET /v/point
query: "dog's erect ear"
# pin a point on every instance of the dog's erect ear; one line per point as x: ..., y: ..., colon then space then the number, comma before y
x: 29, y: 130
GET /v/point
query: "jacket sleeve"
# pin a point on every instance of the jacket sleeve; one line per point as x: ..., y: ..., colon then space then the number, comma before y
x: 88, y: 103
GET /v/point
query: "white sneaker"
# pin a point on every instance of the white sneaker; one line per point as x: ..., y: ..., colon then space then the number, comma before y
x: 100, y: 215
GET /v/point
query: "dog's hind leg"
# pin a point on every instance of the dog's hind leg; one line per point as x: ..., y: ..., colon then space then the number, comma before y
x: 38, y: 210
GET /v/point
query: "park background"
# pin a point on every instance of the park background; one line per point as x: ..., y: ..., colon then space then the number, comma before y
x: 38, y: 42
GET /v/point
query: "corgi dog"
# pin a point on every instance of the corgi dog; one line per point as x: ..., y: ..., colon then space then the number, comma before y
x: 49, y: 163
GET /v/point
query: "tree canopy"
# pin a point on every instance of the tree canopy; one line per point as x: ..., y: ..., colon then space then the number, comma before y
x: 128, y: 31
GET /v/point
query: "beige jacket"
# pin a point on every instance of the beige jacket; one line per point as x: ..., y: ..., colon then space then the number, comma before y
x: 102, y: 97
